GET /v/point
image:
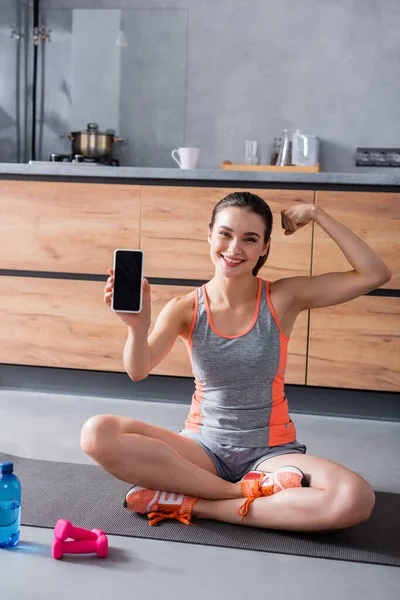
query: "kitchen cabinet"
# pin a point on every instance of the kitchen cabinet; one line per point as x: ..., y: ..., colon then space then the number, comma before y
x: 372, y: 216
x: 356, y: 345
x: 174, y: 228
x: 66, y: 227
x: 64, y: 323
x: 57, y: 227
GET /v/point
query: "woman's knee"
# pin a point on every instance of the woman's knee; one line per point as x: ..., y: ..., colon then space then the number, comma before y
x: 352, y: 502
x: 98, y: 434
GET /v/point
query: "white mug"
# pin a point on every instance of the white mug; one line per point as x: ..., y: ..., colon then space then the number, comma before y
x: 187, y: 157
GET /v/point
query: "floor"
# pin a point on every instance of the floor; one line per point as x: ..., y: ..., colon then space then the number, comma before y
x: 47, y: 426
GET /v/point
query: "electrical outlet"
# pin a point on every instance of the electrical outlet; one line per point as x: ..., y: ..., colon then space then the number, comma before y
x: 378, y: 157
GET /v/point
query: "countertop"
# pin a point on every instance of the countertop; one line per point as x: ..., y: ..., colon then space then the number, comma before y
x: 68, y: 170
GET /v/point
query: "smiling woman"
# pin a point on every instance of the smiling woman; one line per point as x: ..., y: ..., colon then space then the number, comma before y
x: 230, y: 224
x: 238, y: 458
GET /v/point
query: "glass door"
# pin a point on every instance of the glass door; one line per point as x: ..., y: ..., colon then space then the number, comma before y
x: 15, y: 77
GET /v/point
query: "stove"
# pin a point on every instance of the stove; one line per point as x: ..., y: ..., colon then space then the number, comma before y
x: 79, y: 159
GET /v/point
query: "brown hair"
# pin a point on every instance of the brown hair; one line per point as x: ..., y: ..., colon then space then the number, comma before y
x: 252, y: 203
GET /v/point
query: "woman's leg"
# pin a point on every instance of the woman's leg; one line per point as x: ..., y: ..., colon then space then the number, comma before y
x: 153, y: 457
x: 336, y: 498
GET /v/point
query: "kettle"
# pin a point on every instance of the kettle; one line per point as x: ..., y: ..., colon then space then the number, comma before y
x: 305, y: 149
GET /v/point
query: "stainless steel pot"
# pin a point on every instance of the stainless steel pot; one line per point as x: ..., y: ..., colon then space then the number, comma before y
x: 92, y: 142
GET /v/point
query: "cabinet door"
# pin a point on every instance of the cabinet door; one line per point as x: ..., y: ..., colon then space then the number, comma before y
x: 374, y: 217
x: 66, y: 227
x: 356, y: 345
x: 64, y: 323
x: 59, y: 323
x: 174, y: 230
x: 296, y: 367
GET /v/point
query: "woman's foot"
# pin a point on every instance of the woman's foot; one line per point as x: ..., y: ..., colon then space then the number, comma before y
x: 159, y: 505
x: 256, y: 484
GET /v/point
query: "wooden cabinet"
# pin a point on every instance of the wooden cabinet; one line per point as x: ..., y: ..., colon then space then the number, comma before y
x: 177, y: 361
x: 64, y: 323
x: 58, y: 323
x: 174, y: 229
x: 66, y: 227
x: 75, y: 227
x: 374, y: 217
x: 356, y: 345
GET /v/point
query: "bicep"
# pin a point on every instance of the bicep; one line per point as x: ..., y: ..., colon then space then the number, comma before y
x: 330, y: 289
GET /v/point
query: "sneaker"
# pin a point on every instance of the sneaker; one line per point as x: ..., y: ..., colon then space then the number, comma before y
x: 160, y: 505
x: 256, y: 484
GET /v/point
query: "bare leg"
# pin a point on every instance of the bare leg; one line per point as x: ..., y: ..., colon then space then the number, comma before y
x: 337, y: 498
x: 302, y: 509
x: 125, y: 448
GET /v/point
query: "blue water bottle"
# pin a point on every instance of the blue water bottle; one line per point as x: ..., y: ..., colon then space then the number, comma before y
x: 10, y: 506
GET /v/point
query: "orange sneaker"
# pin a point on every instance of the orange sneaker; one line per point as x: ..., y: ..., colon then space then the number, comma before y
x: 160, y: 505
x: 258, y: 483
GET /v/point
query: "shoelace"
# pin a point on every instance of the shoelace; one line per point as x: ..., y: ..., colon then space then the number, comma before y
x: 244, y: 509
x: 169, y: 513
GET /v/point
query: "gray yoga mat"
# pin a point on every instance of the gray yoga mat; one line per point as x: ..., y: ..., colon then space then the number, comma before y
x: 90, y: 497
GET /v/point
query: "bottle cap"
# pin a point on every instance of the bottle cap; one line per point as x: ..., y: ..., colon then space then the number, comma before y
x: 6, y: 467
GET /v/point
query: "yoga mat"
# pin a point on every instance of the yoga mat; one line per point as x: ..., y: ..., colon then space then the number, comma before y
x: 90, y: 497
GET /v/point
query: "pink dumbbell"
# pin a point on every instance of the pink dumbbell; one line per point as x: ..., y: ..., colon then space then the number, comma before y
x: 98, y: 532
x: 100, y: 546
x: 64, y: 530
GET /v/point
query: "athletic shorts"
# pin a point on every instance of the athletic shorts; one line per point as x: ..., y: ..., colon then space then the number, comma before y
x: 232, y: 463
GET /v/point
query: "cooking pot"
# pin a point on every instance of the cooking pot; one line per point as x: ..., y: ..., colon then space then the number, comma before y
x: 92, y: 142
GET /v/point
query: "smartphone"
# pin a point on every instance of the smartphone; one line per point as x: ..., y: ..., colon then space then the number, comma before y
x: 128, y: 277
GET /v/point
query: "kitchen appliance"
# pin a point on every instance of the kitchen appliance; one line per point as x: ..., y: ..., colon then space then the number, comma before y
x: 92, y: 142
x: 78, y: 159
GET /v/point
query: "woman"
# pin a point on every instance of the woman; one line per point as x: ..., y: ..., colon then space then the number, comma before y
x: 238, y: 459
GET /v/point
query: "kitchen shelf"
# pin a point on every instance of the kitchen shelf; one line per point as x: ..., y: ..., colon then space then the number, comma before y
x: 228, y: 166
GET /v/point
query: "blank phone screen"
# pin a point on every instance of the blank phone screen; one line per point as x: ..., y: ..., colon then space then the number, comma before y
x: 127, y: 280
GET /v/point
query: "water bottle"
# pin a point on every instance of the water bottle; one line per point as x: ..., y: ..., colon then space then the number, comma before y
x: 10, y: 506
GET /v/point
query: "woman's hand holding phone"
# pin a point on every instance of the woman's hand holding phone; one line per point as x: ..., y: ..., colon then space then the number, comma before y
x: 135, y: 321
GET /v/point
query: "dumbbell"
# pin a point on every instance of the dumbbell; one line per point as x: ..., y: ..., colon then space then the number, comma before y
x: 100, y: 546
x: 64, y: 530
x: 98, y: 532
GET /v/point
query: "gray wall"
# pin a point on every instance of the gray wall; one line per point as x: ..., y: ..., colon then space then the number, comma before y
x: 213, y: 73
